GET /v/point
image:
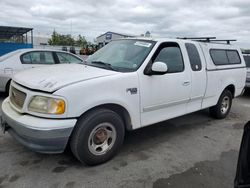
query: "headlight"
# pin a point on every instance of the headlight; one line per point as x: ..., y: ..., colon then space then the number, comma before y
x: 47, y: 105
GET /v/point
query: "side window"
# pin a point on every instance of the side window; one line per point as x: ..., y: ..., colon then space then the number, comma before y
x: 38, y: 58
x: 48, y: 58
x: 26, y: 59
x: 194, y: 57
x: 219, y: 57
x: 171, y: 55
x: 225, y: 57
x: 31, y: 58
x: 233, y: 57
x: 67, y: 58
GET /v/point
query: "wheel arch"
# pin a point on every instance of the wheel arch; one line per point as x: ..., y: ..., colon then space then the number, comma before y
x: 230, y: 88
x: 7, y: 86
x: 120, y: 110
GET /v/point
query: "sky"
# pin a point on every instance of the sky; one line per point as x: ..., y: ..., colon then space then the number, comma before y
x: 163, y: 18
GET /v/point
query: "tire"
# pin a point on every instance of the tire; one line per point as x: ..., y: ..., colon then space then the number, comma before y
x: 97, y: 137
x: 222, y: 108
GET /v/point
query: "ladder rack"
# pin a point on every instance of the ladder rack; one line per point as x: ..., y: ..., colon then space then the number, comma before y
x: 208, y: 39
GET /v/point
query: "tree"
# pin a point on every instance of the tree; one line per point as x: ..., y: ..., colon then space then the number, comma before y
x: 54, y: 40
x: 81, y: 41
x: 66, y: 40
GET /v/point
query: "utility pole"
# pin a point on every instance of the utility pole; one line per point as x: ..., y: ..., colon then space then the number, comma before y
x: 71, y: 28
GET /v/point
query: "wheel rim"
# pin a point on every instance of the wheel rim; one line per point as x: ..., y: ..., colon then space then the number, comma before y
x: 102, y: 138
x: 225, y: 104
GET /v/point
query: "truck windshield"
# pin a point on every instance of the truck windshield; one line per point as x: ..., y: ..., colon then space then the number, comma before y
x: 121, y: 55
x: 247, y: 60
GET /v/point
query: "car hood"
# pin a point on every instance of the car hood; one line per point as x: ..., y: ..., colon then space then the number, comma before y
x: 54, y: 77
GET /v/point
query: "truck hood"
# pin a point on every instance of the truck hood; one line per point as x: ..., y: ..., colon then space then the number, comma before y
x: 54, y: 77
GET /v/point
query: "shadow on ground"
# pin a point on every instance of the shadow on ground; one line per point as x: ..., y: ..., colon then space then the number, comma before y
x: 204, y: 174
x: 246, y: 93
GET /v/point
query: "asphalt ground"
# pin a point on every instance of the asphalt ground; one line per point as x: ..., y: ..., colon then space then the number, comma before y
x: 194, y: 150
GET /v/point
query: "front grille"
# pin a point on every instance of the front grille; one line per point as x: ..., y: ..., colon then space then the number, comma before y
x: 17, y: 97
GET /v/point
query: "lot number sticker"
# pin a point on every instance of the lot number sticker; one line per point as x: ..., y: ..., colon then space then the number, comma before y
x: 144, y: 44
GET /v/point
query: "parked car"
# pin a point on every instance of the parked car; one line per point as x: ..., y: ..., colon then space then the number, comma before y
x: 72, y: 50
x: 64, y: 48
x: 242, y: 178
x: 247, y: 60
x: 16, y: 61
x: 126, y: 85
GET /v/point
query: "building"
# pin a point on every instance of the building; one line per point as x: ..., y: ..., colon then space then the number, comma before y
x: 14, y: 38
x: 40, y: 40
x: 109, y: 36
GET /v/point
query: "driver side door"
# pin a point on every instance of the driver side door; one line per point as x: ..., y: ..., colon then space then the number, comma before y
x: 165, y: 96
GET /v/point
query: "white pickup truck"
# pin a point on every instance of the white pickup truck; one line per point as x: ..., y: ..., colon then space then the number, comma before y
x: 126, y: 85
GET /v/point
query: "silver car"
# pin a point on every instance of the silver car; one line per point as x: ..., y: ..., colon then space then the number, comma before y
x: 247, y: 60
x: 30, y: 58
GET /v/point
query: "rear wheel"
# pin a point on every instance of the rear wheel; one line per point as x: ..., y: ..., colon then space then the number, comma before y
x: 97, y: 137
x: 223, y: 106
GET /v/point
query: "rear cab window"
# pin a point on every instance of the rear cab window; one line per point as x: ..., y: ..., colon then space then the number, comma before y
x: 225, y: 57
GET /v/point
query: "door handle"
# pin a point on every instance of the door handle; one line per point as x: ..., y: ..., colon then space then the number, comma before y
x: 187, y: 83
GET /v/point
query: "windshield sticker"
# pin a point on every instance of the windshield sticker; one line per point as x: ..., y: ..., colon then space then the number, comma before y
x: 144, y: 44
x: 134, y: 65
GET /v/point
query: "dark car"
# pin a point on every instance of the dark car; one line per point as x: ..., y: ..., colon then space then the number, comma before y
x: 247, y: 60
x: 64, y: 48
x: 72, y: 50
x: 242, y: 178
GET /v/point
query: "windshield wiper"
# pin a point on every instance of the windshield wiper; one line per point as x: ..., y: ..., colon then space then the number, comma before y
x: 106, y: 65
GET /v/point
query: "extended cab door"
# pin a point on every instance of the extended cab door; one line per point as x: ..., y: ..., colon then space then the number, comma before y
x: 166, y: 96
x: 198, y: 74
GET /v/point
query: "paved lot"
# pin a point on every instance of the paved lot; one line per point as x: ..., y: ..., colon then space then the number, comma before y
x: 191, y: 151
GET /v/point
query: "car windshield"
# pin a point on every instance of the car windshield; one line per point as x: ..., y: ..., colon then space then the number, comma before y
x: 121, y: 55
x: 247, y: 60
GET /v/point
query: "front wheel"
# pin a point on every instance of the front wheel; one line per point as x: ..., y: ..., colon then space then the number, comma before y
x: 97, y: 136
x: 223, y: 106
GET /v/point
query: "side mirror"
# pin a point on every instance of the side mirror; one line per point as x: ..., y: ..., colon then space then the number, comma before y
x: 159, y: 68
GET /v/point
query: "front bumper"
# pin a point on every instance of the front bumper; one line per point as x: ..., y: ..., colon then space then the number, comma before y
x: 38, y: 134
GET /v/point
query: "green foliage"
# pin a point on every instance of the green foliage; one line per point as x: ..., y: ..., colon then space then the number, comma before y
x: 66, y: 40
x: 81, y: 41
